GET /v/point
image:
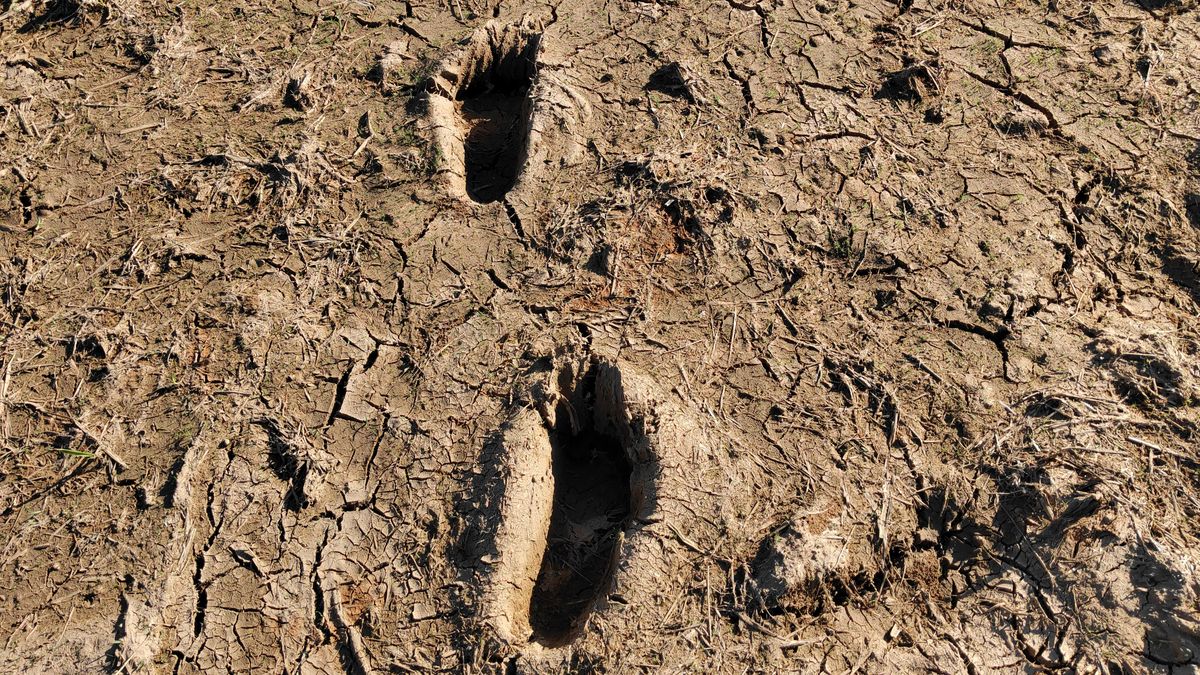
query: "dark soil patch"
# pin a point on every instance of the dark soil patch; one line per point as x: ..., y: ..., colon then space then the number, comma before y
x: 591, y: 507
x: 495, y: 142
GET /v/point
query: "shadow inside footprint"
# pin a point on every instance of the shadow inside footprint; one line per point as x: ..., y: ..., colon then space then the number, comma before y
x: 591, y: 508
x: 495, y: 141
x: 480, y: 107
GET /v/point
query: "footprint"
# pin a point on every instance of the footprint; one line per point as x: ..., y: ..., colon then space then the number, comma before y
x: 596, y: 477
x: 499, y: 116
x: 590, y: 512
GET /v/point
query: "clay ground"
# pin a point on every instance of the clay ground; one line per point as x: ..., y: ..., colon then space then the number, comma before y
x: 923, y: 279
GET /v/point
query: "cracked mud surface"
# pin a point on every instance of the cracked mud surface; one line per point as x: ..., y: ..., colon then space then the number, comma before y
x: 893, y: 307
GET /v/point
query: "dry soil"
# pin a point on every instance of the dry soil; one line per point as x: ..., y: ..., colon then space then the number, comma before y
x: 610, y: 336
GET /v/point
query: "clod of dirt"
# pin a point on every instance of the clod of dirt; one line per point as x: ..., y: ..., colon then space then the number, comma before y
x: 915, y: 82
x: 298, y: 93
x: 678, y: 80
x: 389, y: 68
x: 497, y: 116
x: 795, y: 560
x: 1110, y: 54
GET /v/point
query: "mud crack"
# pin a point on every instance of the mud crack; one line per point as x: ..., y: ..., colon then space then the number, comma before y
x: 744, y: 82
x: 1007, y: 90
x: 997, y: 337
